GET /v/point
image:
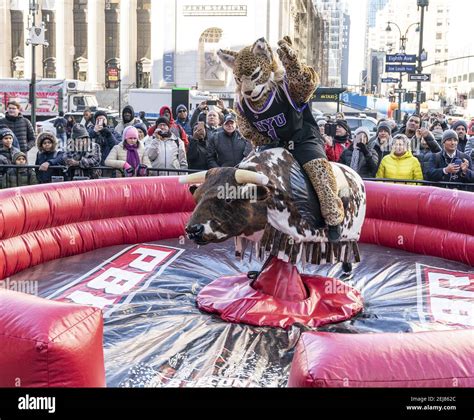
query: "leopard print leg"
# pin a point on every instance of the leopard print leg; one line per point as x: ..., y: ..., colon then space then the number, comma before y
x: 323, y: 180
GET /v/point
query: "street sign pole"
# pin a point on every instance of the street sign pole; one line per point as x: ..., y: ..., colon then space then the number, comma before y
x: 422, y: 4
x: 400, y: 99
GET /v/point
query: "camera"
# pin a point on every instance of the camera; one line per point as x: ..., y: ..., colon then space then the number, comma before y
x: 330, y: 129
x: 212, y: 102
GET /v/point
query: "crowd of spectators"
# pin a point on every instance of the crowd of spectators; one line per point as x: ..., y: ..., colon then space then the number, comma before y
x: 427, y: 147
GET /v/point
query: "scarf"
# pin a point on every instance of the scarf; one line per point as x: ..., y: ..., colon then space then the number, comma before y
x: 355, y: 158
x: 132, y: 154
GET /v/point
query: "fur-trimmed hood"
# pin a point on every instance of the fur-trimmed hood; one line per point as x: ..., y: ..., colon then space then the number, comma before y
x: 43, y: 136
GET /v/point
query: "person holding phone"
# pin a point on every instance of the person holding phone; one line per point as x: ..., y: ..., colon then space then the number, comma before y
x: 450, y: 165
x: 103, y: 135
x: 360, y: 156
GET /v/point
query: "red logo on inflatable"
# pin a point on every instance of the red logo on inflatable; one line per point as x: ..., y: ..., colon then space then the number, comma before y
x: 445, y: 296
x: 116, y: 281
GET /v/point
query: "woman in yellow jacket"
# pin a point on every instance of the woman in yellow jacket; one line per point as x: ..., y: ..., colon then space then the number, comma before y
x: 400, y: 163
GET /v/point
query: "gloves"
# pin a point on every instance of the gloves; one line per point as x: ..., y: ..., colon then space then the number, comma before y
x: 363, y: 148
x: 128, y: 169
x: 142, y: 170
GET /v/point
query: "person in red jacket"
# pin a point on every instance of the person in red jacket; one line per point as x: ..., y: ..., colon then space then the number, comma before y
x: 175, y: 128
x: 334, y: 146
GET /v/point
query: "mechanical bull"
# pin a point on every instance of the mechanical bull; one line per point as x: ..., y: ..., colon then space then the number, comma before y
x: 269, y: 200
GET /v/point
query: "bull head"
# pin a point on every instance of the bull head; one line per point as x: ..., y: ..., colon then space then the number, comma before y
x: 230, y: 202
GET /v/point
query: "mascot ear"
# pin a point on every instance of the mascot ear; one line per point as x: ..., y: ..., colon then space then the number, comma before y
x: 261, y: 47
x: 228, y: 57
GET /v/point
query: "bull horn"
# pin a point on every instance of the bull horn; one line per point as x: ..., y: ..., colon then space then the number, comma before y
x: 242, y: 176
x: 196, y: 178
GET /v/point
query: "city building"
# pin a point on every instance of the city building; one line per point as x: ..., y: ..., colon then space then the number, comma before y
x: 336, y: 46
x: 403, y: 36
x: 144, y: 43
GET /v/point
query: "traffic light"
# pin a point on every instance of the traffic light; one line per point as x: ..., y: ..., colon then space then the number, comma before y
x: 409, y: 97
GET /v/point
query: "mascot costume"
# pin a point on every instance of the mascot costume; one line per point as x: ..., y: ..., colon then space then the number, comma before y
x: 272, y: 111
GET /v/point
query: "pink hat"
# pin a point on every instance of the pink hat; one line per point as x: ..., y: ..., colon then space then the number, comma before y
x: 130, y: 133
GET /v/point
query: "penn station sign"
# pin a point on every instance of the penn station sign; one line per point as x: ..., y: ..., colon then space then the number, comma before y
x: 215, y: 10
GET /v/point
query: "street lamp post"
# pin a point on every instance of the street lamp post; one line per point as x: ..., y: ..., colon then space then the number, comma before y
x: 33, y: 10
x: 402, y: 48
x: 422, y: 4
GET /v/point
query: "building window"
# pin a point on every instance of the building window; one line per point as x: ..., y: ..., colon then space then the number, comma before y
x: 143, y: 44
x: 17, y: 33
x: 212, y: 70
x: 471, y: 77
x: 464, y: 77
x: 439, y: 35
x: 49, y: 53
x: 80, y: 28
x: 112, y: 30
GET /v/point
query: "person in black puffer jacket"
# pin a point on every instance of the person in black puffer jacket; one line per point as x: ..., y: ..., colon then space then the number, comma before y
x: 103, y: 135
x: 197, y: 151
x: 22, y: 127
x: 48, y: 155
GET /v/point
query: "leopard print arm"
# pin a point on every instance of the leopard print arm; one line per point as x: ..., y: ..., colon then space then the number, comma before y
x: 302, y: 79
x: 249, y: 131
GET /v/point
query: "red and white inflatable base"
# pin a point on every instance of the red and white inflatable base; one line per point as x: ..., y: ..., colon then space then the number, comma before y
x: 281, y: 297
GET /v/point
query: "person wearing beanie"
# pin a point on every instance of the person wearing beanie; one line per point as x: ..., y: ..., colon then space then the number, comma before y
x: 182, y: 118
x: 142, y: 131
x: 382, y: 142
x: 335, y: 146
x: 164, y: 149
x: 360, y: 156
x: 82, y: 155
x: 450, y: 165
x: 5, y: 130
x: 48, y: 155
x: 7, y: 150
x: 21, y: 176
x: 129, y: 156
x: 103, y: 135
x: 460, y: 127
x: 176, y: 129
x: 321, y: 122
x: 400, y: 163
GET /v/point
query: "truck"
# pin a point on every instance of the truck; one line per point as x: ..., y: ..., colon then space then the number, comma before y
x: 151, y: 100
x: 52, y: 96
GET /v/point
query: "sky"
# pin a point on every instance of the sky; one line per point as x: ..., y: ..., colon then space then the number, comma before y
x: 357, y: 12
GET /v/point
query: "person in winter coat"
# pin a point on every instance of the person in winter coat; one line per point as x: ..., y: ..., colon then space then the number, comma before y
x: 7, y: 150
x: 60, y: 124
x: 128, y: 119
x: 335, y: 146
x: 400, y: 163
x: 19, y: 177
x: 142, y: 131
x: 197, y: 150
x: 129, y: 155
x: 450, y: 165
x: 382, y: 142
x: 165, y: 149
x: 48, y: 155
x: 103, y: 135
x: 227, y: 147
x: 82, y: 155
x: 176, y: 129
x: 143, y: 119
x: 182, y: 118
x: 359, y: 156
x: 22, y: 127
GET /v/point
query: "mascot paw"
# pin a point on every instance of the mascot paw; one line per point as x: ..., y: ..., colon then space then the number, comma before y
x: 285, y: 50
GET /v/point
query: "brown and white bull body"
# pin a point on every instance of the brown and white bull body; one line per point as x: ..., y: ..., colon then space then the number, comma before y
x: 269, y: 201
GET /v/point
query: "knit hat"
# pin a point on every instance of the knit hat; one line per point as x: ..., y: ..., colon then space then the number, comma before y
x: 17, y: 155
x: 344, y: 125
x: 321, y: 121
x: 458, y: 123
x: 100, y: 113
x: 6, y: 132
x: 449, y: 134
x: 130, y: 132
x: 180, y: 107
x: 79, y: 131
x: 384, y: 125
x: 141, y: 127
x: 162, y: 120
x: 364, y: 130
